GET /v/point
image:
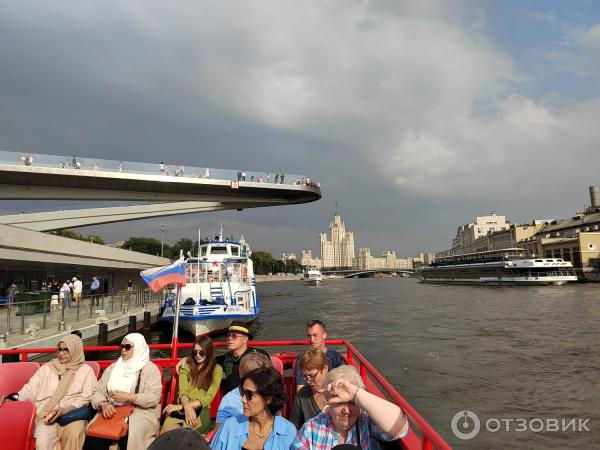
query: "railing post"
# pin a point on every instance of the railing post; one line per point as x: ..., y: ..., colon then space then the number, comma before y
x: 45, y: 313
x: 22, y: 321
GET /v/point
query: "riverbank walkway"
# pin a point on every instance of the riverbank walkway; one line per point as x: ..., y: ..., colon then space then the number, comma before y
x: 41, y: 323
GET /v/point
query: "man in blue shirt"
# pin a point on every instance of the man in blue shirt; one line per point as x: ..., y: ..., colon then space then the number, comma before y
x: 316, y: 333
x: 95, y: 288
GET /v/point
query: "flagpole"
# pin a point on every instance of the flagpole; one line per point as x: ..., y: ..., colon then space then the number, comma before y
x: 175, y: 341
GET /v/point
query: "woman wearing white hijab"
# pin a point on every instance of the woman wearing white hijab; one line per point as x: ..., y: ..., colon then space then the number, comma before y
x: 132, y: 380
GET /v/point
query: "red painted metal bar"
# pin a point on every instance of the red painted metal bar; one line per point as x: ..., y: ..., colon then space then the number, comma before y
x: 429, y: 434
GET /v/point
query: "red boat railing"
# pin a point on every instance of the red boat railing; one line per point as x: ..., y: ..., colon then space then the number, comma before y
x: 429, y: 439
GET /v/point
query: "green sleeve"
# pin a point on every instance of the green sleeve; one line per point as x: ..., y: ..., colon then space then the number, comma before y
x: 184, y: 382
x: 208, y: 396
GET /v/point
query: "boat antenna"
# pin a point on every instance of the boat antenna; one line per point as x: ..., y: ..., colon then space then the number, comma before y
x: 221, y: 232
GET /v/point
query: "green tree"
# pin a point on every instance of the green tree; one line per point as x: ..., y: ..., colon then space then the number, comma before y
x: 187, y: 245
x: 146, y: 245
x: 263, y: 262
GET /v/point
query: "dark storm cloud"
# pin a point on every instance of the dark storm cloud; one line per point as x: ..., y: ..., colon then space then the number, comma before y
x: 376, y: 99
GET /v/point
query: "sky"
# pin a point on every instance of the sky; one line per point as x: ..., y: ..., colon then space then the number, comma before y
x: 416, y: 116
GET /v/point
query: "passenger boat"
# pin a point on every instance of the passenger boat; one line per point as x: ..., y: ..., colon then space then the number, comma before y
x: 498, y: 267
x: 312, y: 276
x: 18, y: 418
x: 220, y: 287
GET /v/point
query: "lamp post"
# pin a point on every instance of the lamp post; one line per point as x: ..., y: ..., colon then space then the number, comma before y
x: 162, y: 241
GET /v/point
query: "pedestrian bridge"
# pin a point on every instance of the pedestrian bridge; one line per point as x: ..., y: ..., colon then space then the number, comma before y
x: 165, y: 189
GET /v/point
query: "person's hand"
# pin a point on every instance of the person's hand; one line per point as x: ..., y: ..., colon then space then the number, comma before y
x: 108, y: 410
x: 121, y: 397
x: 340, y: 391
x: 54, y: 414
x: 180, y: 364
x: 190, y: 415
x: 170, y: 408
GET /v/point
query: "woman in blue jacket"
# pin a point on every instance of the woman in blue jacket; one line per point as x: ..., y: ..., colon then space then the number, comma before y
x: 260, y: 427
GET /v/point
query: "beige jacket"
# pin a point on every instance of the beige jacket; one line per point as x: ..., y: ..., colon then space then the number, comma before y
x: 145, y: 420
x: 44, y: 382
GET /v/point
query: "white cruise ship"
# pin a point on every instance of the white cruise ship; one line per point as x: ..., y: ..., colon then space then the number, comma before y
x: 500, y: 267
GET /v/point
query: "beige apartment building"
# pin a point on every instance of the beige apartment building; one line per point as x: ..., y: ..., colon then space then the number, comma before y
x: 337, y: 246
x: 387, y: 260
x: 308, y: 260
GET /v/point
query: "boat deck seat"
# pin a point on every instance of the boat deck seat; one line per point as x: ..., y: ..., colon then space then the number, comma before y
x: 14, y: 375
x: 18, y: 425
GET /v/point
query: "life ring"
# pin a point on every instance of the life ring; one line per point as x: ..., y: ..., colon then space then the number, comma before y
x: 245, y: 273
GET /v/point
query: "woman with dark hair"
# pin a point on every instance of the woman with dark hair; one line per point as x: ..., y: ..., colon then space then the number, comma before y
x: 260, y: 427
x: 199, y: 381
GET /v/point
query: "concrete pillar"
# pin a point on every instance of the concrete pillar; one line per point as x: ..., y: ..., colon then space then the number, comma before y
x: 103, y: 334
x: 132, y: 327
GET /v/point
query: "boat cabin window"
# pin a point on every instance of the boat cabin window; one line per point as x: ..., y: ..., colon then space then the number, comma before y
x: 235, y: 251
x: 218, y: 250
x: 539, y: 260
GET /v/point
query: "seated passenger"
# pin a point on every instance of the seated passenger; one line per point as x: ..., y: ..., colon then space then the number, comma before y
x: 199, y: 381
x: 316, y: 333
x: 260, y: 427
x: 310, y: 401
x: 132, y: 380
x: 58, y: 387
x: 231, y: 403
x: 353, y: 416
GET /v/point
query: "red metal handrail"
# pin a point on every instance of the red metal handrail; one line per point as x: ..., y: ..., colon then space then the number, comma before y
x: 430, y: 439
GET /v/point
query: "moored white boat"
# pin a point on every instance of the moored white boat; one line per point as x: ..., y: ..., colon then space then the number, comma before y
x: 499, y: 267
x: 313, y: 276
x: 220, y: 287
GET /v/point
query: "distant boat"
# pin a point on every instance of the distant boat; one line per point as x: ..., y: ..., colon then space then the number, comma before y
x: 313, y: 276
x: 498, y: 267
x: 220, y: 288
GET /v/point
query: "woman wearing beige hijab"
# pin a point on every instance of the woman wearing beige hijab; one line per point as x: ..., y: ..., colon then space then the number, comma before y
x: 60, y: 386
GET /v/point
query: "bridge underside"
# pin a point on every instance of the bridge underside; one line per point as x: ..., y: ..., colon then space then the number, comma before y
x: 169, y: 195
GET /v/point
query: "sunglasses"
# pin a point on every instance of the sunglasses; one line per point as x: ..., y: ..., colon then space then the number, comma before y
x: 126, y: 347
x: 198, y: 352
x: 62, y: 349
x: 234, y: 335
x: 247, y: 393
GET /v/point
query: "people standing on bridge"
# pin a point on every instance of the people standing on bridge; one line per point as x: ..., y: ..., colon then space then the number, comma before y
x: 129, y: 285
x: 316, y: 333
x: 162, y: 168
x: 95, y: 290
x: 120, y: 166
x: 207, y: 173
x: 276, y: 178
x: 77, y: 291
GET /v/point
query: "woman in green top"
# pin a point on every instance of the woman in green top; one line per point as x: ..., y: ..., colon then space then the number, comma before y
x: 199, y: 381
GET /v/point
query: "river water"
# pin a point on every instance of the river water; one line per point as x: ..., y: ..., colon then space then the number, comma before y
x: 503, y: 353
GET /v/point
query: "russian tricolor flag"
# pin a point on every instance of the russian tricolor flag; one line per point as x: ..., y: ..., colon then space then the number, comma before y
x: 159, y: 277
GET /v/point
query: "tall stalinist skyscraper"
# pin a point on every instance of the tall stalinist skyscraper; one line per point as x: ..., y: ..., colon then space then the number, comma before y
x: 337, y: 249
